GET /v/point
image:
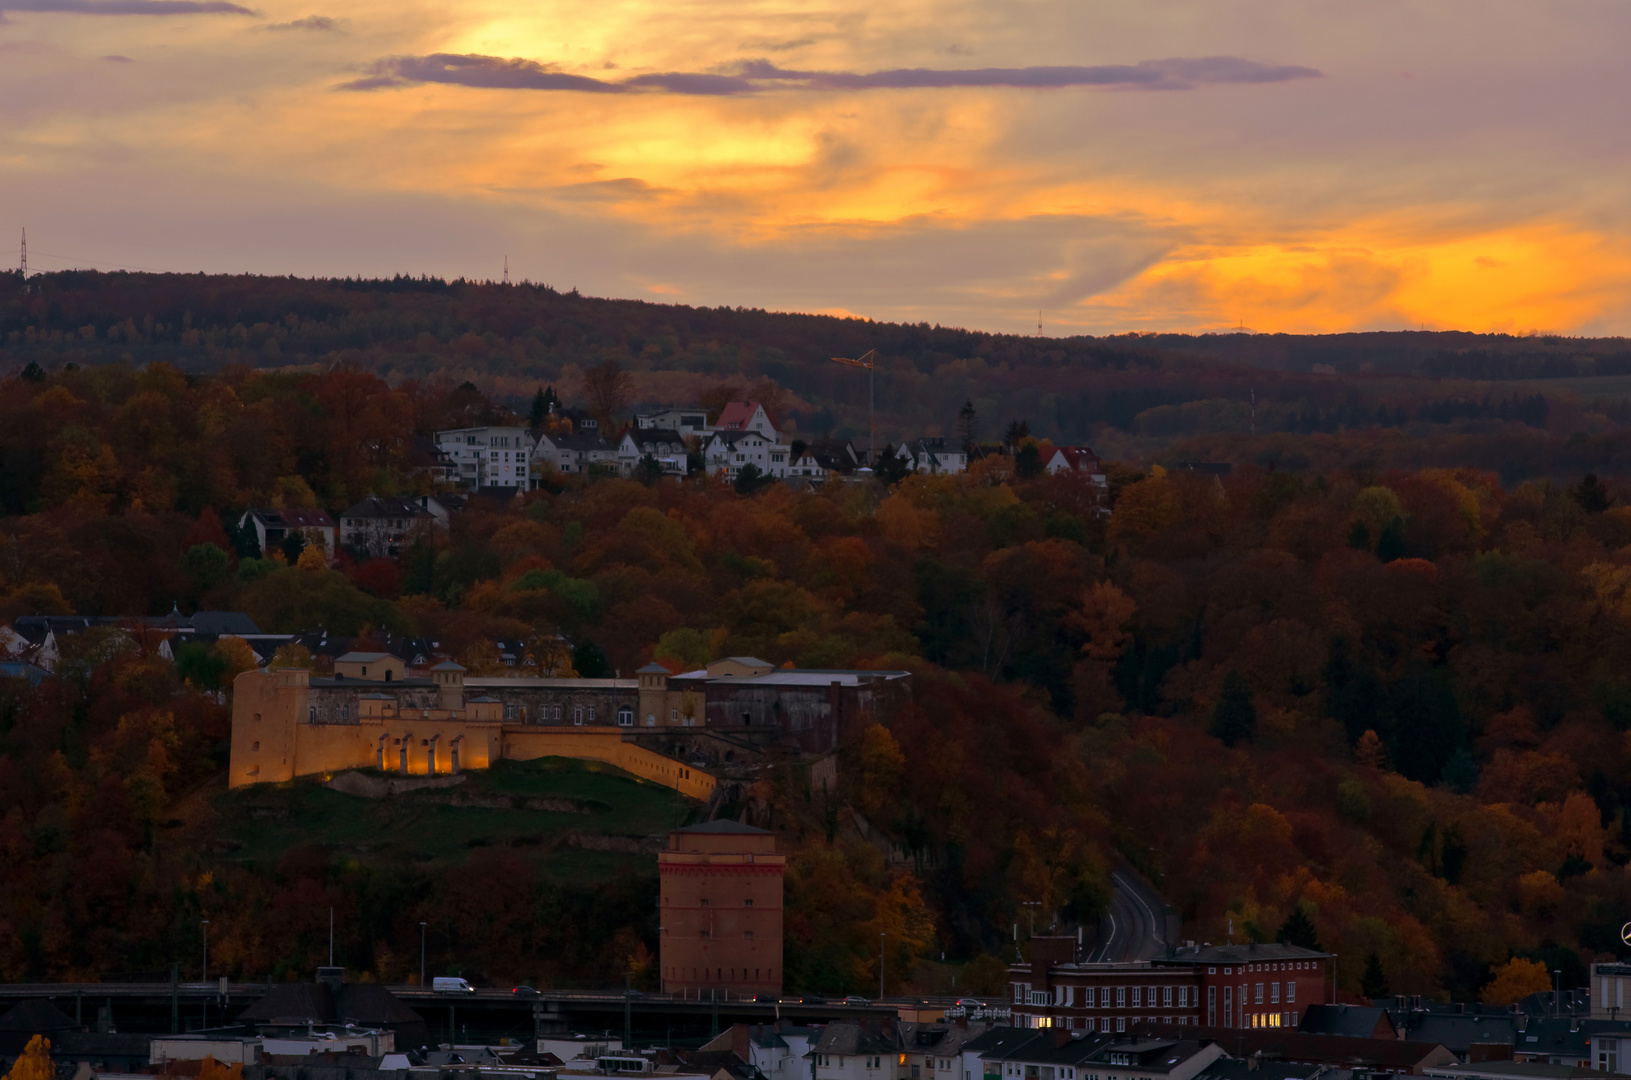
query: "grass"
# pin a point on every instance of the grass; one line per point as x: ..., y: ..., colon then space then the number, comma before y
x: 260, y: 824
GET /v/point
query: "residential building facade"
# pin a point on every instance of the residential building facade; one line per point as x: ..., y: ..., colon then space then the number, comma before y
x: 572, y: 453
x: 665, y: 446
x: 274, y: 525
x: 382, y: 525
x: 489, y: 457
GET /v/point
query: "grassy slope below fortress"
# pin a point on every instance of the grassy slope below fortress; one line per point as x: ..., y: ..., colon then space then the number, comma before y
x: 576, y: 819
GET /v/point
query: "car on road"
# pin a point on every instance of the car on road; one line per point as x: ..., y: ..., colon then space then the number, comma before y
x: 524, y: 991
x: 853, y: 1000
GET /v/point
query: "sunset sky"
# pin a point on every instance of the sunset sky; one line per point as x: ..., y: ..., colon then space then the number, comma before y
x: 1294, y: 165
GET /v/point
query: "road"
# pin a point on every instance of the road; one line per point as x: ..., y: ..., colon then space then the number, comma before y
x: 1139, y: 924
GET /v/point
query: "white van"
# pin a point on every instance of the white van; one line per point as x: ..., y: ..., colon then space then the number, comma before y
x: 447, y: 985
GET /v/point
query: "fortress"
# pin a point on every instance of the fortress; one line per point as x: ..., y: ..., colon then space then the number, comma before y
x: 676, y: 730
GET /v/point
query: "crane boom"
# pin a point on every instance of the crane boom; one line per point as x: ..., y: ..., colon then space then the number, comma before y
x: 869, y: 361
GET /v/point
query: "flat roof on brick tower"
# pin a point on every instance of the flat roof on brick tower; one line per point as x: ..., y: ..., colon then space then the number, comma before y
x: 724, y: 825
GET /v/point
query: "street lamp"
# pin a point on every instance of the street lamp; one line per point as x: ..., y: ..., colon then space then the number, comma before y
x: 880, y: 965
x: 421, y: 955
x: 205, y: 925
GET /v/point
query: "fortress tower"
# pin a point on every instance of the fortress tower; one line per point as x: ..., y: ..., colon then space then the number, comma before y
x: 721, y: 910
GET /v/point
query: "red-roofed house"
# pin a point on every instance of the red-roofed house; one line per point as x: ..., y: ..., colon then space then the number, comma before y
x: 748, y: 416
x: 1076, y: 459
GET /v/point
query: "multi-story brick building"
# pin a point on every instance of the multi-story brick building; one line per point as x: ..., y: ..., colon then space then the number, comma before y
x: 1231, y: 986
x: 721, y: 910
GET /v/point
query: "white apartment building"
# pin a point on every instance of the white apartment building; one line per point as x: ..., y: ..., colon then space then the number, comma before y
x: 489, y: 456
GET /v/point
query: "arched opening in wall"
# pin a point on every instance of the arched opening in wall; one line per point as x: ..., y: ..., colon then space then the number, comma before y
x: 388, y: 674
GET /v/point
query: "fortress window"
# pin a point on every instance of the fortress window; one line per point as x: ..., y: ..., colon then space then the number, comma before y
x: 254, y: 746
x: 345, y: 712
x: 312, y: 715
x: 257, y: 718
x: 625, y: 716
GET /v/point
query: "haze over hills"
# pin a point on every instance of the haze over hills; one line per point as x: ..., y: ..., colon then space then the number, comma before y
x: 1523, y: 406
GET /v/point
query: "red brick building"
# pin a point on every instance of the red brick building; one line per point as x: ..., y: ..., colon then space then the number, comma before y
x: 721, y: 910
x: 1229, y: 986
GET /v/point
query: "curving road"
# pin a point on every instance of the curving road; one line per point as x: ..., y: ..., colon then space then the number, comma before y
x: 1138, y: 925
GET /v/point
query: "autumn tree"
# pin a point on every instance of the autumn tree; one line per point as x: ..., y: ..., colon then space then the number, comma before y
x: 34, y: 1063
x: 608, y: 390
x: 1515, y: 980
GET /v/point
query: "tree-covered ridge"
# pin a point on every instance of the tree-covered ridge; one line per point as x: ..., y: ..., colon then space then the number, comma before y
x: 1402, y: 399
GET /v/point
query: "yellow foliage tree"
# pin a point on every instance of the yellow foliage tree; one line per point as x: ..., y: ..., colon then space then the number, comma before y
x: 1145, y: 509
x: 238, y: 657
x: 1514, y: 981
x: 313, y: 558
x: 292, y: 655
x: 35, y: 1062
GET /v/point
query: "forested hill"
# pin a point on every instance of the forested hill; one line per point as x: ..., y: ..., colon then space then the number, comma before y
x: 1153, y: 397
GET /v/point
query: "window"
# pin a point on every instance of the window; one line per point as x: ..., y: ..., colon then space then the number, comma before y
x: 748, y: 902
x: 254, y: 746
x: 625, y: 716
x: 1258, y: 995
x: 312, y: 715
x: 673, y: 714
x: 1104, y: 999
x: 1121, y: 1023
x: 1291, y: 992
x: 1166, y: 997
x: 345, y: 712
x: 1121, y: 999
x: 747, y: 934
x: 1274, y: 993
x: 1138, y: 997
x: 258, y: 720
x: 577, y: 715
x: 703, y: 935
x: 591, y: 714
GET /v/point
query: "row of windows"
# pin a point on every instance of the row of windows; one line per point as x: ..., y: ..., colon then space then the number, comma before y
x: 1290, y: 965
x: 1097, y: 1023
x: 1126, y: 997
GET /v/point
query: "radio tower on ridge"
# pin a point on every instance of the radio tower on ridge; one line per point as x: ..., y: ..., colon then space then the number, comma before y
x: 25, y: 260
x: 506, y: 269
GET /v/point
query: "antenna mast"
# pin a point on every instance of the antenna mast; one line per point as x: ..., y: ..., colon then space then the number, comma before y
x: 1039, y: 322
x: 506, y: 269
x: 869, y: 361
x: 25, y: 260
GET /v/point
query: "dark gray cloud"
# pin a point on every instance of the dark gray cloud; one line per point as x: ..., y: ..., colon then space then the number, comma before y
x: 310, y: 22
x: 1179, y: 73
x: 126, y: 7
x: 490, y: 72
x: 117, y: 59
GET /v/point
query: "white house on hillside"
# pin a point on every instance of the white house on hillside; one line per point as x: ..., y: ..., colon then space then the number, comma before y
x: 665, y: 445
x: 690, y: 423
x: 747, y: 416
x: 730, y: 452
x: 572, y: 453
x: 930, y: 456
x: 488, y: 456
